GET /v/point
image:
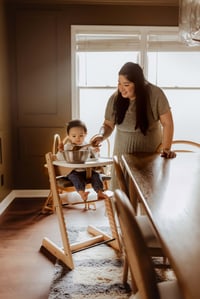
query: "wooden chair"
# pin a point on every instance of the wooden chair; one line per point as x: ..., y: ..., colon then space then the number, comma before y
x: 185, y: 146
x: 139, y: 259
x: 150, y: 236
x: 64, y: 185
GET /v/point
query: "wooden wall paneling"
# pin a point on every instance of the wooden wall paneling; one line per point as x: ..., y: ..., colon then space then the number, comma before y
x: 34, y: 143
x: 38, y: 66
x: 41, y: 98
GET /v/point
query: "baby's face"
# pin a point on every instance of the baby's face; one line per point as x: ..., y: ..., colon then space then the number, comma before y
x: 77, y: 135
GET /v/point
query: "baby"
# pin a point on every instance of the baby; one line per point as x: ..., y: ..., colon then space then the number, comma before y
x: 76, y: 134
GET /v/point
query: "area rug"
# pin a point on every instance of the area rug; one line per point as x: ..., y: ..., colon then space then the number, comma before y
x: 97, y: 273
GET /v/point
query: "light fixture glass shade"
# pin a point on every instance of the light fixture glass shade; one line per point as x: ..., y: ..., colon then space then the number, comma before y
x: 189, y: 21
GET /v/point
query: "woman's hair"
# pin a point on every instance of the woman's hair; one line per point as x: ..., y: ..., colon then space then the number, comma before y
x: 76, y: 123
x: 134, y: 73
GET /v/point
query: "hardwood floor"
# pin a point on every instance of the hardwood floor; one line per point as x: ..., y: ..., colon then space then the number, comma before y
x: 26, y: 272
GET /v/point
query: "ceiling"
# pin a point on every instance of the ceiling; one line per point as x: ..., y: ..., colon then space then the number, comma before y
x: 97, y: 2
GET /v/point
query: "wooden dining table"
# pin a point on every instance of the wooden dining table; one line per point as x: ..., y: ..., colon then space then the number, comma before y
x: 169, y: 190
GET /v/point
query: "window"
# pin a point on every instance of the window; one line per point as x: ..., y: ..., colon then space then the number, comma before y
x: 98, y: 52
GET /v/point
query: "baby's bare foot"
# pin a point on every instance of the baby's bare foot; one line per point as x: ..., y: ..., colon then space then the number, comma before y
x: 84, y: 195
x: 101, y: 195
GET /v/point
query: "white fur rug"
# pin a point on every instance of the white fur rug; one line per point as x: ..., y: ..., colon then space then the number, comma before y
x: 97, y: 273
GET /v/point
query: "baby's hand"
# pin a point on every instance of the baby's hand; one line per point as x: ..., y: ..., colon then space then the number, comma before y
x: 61, y: 147
x: 95, y: 152
x: 96, y: 149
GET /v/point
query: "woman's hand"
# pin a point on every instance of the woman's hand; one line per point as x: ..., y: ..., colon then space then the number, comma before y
x: 96, y: 140
x: 168, y: 154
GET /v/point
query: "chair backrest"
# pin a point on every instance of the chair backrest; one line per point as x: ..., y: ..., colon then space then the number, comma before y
x: 57, y: 139
x: 127, y: 187
x: 120, y: 176
x: 139, y: 260
x: 185, y: 146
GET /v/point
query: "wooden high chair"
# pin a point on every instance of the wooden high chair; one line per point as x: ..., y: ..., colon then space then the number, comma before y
x: 64, y: 253
x: 64, y: 185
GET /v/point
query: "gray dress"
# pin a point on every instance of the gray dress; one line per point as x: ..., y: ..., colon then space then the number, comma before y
x: 130, y: 140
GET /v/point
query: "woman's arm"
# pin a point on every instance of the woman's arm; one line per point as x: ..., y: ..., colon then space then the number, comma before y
x: 104, y: 132
x: 106, y: 129
x: 168, y: 131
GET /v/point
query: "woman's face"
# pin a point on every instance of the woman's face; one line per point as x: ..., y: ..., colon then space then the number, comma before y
x: 126, y: 88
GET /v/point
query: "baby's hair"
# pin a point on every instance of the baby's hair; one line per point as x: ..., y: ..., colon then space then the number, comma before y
x: 76, y: 123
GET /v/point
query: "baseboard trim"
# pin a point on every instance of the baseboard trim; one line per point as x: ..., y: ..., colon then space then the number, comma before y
x: 21, y: 193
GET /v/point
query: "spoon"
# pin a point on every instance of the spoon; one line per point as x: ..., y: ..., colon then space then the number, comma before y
x: 79, y: 147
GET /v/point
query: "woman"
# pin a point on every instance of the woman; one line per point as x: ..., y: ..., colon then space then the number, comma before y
x: 141, y: 114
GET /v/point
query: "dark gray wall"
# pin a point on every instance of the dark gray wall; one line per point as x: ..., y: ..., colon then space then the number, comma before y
x: 40, y: 80
x: 5, y: 133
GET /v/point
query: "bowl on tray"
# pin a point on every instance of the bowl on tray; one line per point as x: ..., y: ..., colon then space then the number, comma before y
x: 76, y: 157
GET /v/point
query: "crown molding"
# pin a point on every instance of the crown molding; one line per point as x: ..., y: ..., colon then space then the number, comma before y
x: 100, y: 2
